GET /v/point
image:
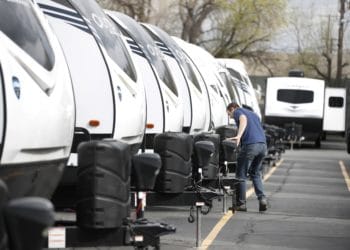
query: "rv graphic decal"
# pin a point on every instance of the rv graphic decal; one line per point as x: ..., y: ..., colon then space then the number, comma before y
x: 135, y: 48
x: 69, y: 16
x: 164, y: 49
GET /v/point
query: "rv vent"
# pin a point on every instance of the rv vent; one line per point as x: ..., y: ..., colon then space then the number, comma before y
x: 296, y: 73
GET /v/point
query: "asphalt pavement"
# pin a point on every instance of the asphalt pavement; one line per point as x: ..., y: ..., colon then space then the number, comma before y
x: 309, y: 208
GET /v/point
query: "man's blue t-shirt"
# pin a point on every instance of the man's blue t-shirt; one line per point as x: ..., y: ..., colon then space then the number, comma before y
x: 254, y: 133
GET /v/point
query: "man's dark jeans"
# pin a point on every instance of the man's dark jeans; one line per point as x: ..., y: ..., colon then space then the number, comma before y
x: 250, y: 160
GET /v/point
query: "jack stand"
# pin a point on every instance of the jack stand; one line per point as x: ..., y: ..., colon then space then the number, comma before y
x: 140, y: 204
x: 224, y: 203
x: 292, y: 144
x: 199, y: 206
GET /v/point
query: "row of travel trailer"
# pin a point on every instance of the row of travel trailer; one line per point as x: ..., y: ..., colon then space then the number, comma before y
x: 71, y: 72
x: 313, y: 108
x: 113, y: 78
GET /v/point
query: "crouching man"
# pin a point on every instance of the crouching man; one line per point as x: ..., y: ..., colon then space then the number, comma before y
x: 251, y: 138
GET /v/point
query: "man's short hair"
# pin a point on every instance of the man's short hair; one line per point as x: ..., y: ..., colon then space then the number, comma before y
x: 232, y: 105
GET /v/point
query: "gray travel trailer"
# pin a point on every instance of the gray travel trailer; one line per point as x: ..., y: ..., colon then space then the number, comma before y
x: 164, y: 107
x: 218, y: 93
x: 106, y: 83
x: 296, y: 100
x: 37, y: 105
x: 192, y: 91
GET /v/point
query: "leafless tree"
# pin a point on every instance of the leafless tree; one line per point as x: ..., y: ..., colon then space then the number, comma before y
x: 320, y: 46
x: 140, y: 10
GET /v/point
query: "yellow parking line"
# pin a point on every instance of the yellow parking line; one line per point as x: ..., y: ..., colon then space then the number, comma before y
x: 215, y: 231
x: 226, y: 217
x: 345, y: 174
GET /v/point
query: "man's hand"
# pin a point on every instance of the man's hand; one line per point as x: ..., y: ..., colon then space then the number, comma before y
x: 236, y: 139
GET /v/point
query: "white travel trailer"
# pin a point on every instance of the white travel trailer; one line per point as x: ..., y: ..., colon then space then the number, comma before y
x: 296, y: 99
x: 231, y: 85
x: 334, y: 110
x: 219, y: 96
x: 164, y: 107
x: 238, y: 72
x: 109, y: 92
x: 193, y: 93
x: 36, y: 102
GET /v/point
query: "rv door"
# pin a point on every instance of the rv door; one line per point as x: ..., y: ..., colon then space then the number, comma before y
x: 334, y: 110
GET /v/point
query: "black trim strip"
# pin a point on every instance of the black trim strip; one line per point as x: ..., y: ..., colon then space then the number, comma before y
x: 161, y: 44
x: 131, y: 42
x: 134, y: 47
x: 81, y: 28
x: 164, y: 49
x: 139, y: 53
x: 73, y: 21
x: 67, y: 12
x: 168, y: 54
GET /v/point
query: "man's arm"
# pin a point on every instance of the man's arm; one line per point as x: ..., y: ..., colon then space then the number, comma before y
x: 241, y: 128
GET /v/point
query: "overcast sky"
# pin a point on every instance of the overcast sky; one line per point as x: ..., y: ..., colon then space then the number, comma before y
x: 312, y: 10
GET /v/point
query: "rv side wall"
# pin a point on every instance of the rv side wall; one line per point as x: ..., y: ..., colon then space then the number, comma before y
x: 334, y: 110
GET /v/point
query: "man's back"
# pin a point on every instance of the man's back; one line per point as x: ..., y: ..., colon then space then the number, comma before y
x: 254, y: 132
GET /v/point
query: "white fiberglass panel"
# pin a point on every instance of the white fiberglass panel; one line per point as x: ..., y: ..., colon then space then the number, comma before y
x: 294, y: 97
x: 90, y: 76
x: 39, y: 99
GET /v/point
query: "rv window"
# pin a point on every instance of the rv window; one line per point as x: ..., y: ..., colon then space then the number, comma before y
x: 106, y: 33
x: 133, y: 45
x: 235, y: 74
x: 19, y: 22
x: 246, y: 80
x: 336, y: 102
x: 168, y: 80
x: 190, y: 74
x: 295, y: 96
x: 239, y: 89
x: 229, y: 86
x: 166, y: 76
x: 214, y: 88
x: 245, y: 87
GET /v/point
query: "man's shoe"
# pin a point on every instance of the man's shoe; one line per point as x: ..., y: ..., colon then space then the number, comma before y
x: 242, y: 208
x: 262, y: 204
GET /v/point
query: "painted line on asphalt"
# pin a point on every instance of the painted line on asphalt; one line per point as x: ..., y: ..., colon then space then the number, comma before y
x: 226, y: 217
x: 345, y: 174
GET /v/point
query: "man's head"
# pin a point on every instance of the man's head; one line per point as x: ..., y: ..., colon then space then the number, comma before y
x: 231, y: 108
